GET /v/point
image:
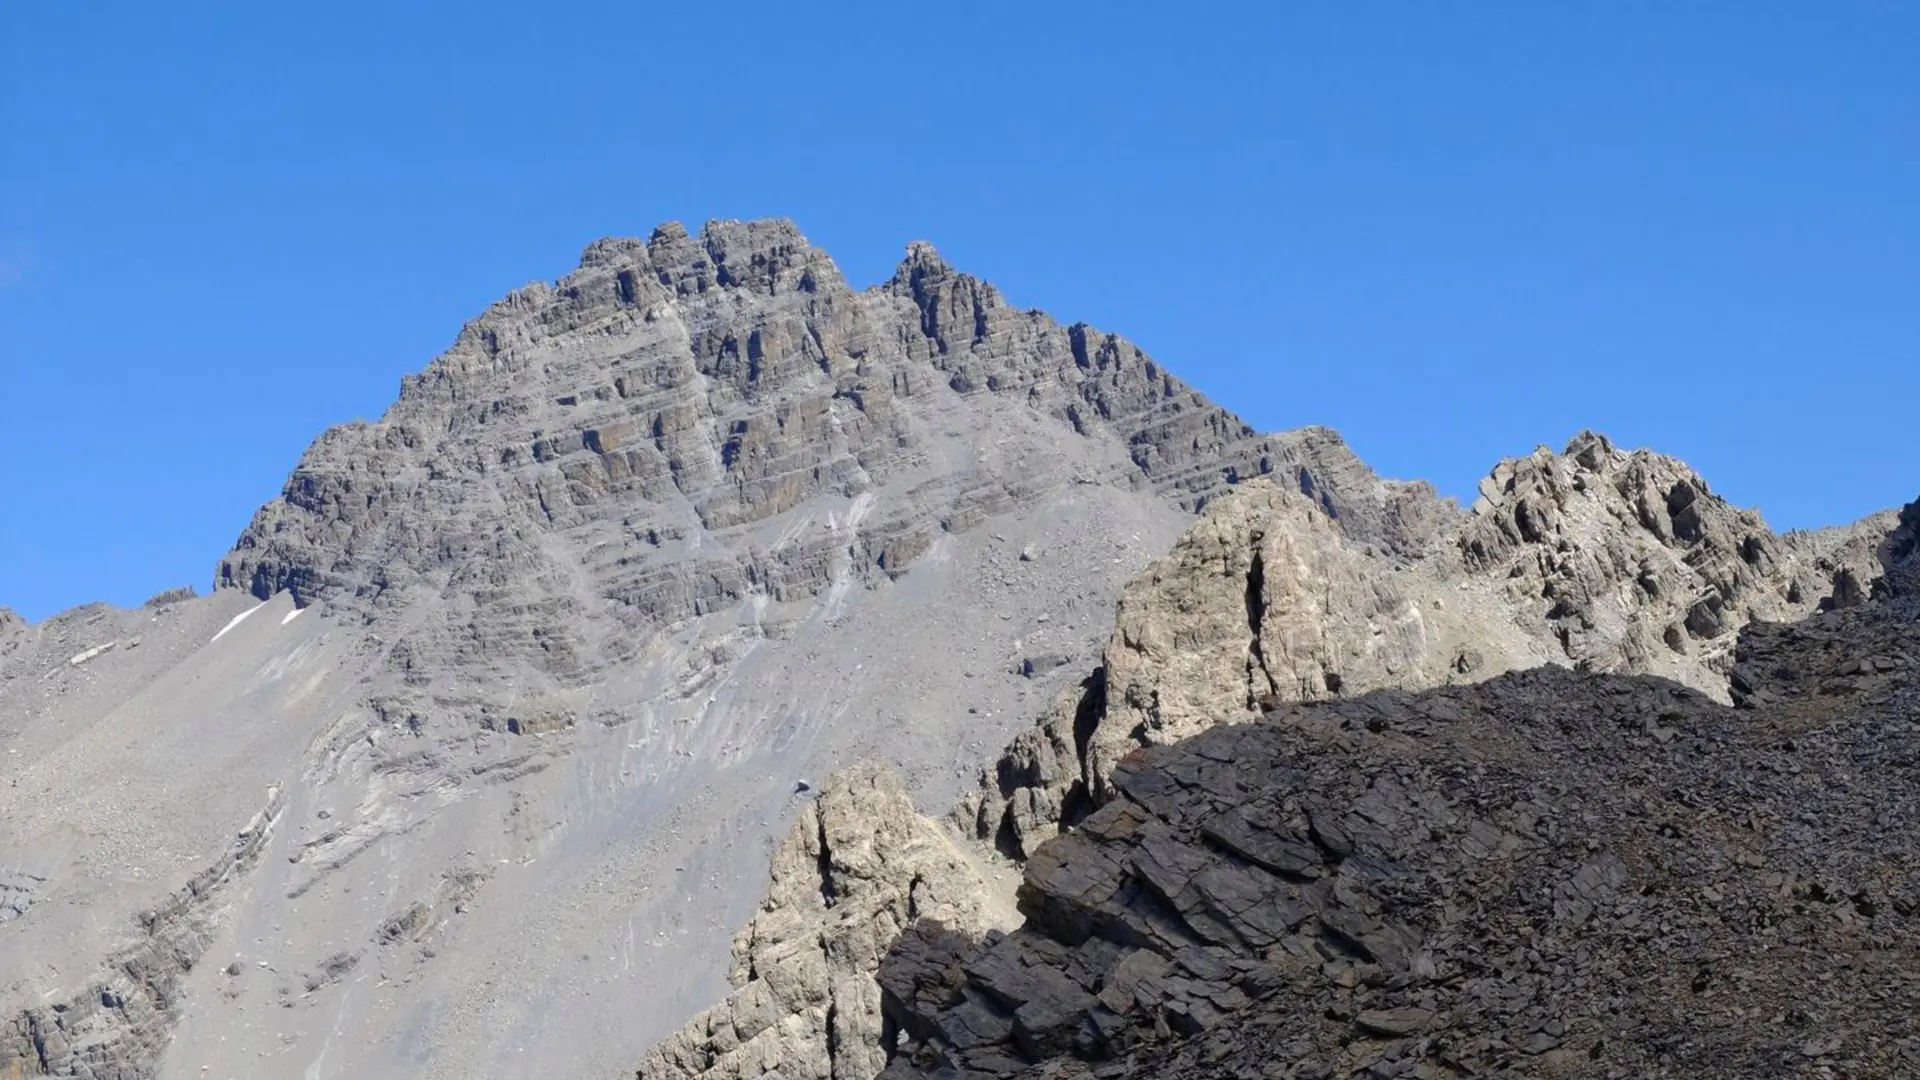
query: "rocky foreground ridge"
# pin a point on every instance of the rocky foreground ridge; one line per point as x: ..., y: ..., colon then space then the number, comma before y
x: 1594, y: 561
x: 1551, y: 873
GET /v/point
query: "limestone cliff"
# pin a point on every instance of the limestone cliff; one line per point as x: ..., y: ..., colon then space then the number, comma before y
x: 858, y: 867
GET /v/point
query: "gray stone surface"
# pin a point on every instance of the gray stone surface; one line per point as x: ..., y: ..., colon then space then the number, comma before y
x: 858, y: 867
x: 690, y: 423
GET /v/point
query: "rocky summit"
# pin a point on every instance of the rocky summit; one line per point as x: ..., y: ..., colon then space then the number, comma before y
x: 706, y: 670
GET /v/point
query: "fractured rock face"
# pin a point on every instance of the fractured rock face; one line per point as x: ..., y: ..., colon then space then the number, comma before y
x: 1640, y: 567
x: 1597, y: 559
x: 858, y: 867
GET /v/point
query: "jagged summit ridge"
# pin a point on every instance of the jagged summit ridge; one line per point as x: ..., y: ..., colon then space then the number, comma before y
x: 693, y: 422
x: 764, y: 319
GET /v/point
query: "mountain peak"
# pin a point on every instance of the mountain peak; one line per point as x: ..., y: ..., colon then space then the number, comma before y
x: 666, y: 402
x: 613, y: 251
x: 719, y: 239
x: 921, y: 256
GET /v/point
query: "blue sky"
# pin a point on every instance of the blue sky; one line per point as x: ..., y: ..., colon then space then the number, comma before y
x: 1452, y: 231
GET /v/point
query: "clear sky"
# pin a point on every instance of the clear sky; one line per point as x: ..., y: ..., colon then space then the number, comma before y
x: 1453, y: 231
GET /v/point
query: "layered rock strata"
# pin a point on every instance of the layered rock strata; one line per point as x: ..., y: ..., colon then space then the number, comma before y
x: 688, y: 423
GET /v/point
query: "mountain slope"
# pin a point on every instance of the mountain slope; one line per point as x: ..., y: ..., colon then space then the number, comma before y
x: 511, y: 690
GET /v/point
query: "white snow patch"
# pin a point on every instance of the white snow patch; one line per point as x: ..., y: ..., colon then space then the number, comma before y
x: 236, y: 621
x: 80, y: 658
x: 288, y: 617
x: 857, y: 513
